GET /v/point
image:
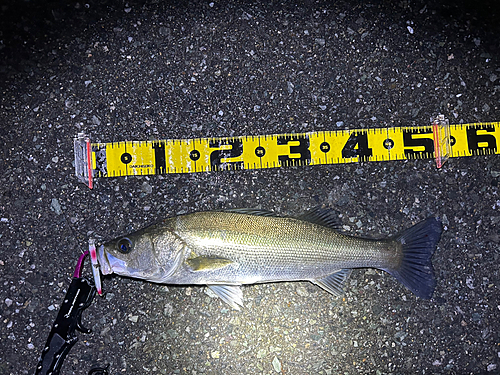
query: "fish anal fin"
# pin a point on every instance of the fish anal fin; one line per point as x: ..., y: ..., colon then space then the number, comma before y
x: 231, y: 294
x: 207, y: 263
x: 334, y: 283
x: 322, y: 216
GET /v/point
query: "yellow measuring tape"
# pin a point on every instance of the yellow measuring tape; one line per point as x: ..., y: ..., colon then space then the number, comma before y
x: 128, y: 158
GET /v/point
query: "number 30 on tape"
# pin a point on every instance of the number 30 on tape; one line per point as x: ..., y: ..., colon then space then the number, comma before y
x: 128, y: 158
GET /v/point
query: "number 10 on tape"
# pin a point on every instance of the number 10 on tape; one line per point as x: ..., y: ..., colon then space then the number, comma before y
x: 128, y: 158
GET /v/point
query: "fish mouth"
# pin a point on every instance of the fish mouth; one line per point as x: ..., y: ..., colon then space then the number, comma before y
x: 107, y: 267
x: 110, y: 264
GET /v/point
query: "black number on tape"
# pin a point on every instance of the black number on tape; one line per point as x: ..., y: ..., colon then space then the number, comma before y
x: 160, y: 162
x: 357, y: 146
x: 302, y: 149
x: 481, y: 144
x: 426, y: 143
x: 216, y: 156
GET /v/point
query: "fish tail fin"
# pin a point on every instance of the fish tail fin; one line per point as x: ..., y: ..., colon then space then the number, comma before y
x: 415, y: 270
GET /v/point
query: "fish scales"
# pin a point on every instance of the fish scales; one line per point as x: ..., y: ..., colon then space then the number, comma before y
x: 278, y: 248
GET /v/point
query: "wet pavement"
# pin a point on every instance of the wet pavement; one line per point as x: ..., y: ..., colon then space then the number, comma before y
x: 154, y: 70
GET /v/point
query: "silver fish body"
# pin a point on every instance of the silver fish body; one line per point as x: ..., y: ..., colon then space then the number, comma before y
x: 229, y: 248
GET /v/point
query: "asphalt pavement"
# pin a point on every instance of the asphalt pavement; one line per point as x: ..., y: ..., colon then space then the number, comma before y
x: 145, y: 70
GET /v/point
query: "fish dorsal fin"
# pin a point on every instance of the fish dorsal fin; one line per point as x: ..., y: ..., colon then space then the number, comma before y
x: 334, y: 283
x: 208, y: 263
x: 322, y: 216
x: 231, y: 294
x: 251, y: 211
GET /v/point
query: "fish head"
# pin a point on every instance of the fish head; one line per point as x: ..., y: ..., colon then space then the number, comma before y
x: 145, y: 254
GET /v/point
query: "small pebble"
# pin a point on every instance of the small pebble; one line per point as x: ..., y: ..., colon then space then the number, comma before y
x: 56, y: 206
x: 277, y: 365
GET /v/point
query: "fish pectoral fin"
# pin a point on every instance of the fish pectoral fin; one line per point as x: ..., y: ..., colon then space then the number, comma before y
x: 334, y: 283
x: 207, y: 263
x: 231, y: 294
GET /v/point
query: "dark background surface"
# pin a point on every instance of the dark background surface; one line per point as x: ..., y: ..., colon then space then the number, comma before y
x: 154, y: 70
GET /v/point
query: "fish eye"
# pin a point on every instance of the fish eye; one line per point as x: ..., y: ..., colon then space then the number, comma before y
x: 124, y: 245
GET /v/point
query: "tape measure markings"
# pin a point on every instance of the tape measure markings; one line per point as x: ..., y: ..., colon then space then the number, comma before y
x: 281, y: 150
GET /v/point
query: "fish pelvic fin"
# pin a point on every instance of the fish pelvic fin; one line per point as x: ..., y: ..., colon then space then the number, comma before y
x: 334, y: 283
x: 231, y: 294
x: 418, y: 244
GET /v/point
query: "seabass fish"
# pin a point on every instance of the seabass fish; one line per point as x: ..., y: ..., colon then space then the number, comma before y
x: 224, y: 250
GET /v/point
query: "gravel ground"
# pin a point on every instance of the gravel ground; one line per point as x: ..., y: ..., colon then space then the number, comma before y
x: 151, y: 70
